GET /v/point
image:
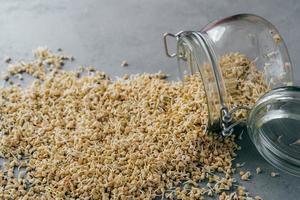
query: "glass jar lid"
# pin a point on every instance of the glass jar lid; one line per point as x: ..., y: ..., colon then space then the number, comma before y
x: 274, y: 127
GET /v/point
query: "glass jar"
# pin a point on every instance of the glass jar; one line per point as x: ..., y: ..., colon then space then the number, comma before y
x: 240, y: 58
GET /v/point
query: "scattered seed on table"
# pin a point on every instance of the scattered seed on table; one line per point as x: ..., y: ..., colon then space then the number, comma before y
x: 258, y: 198
x: 7, y: 59
x: 274, y: 174
x: 258, y: 170
x: 246, y: 176
x: 124, y: 63
x: 240, y: 164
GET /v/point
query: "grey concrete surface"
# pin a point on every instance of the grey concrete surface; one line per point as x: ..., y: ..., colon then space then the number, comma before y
x: 105, y: 32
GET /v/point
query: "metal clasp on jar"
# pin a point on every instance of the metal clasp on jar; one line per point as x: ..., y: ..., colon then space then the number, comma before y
x: 227, y: 116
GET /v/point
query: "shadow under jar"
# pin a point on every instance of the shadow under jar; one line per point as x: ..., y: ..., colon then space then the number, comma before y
x: 247, y: 75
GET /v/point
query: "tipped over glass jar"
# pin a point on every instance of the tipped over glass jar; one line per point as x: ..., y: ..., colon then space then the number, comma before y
x: 247, y: 75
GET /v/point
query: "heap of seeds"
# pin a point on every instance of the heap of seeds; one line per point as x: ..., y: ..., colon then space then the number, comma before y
x: 244, y: 83
x: 86, y: 137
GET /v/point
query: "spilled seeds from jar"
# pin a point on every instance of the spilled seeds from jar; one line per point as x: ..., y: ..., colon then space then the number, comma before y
x: 80, y: 135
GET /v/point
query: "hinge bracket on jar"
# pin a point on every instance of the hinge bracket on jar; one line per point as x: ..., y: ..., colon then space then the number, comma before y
x: 226, y: 119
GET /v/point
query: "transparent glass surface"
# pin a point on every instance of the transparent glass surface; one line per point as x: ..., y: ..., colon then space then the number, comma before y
x: 194, y: 60
x: 274, y: 127
x: 256, y: 38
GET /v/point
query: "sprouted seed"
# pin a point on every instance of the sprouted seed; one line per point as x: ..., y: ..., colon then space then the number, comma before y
x: 7, y: 59
x: 88, y: 137
x: 241, y: 191
x: 124, y: 63
x: 5, y: 77
x: 297, y: 142
x: 258, y: 170
x: 240, y: 164
x: 274, y: 174
x: 246, y: 176
x: 277, y: 38
x: 258, y: 198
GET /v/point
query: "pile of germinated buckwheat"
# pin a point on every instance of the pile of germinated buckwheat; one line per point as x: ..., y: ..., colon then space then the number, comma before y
x: 79, y: 135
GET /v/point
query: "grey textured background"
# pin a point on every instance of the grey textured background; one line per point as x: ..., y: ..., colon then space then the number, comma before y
x: 103, y: 33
